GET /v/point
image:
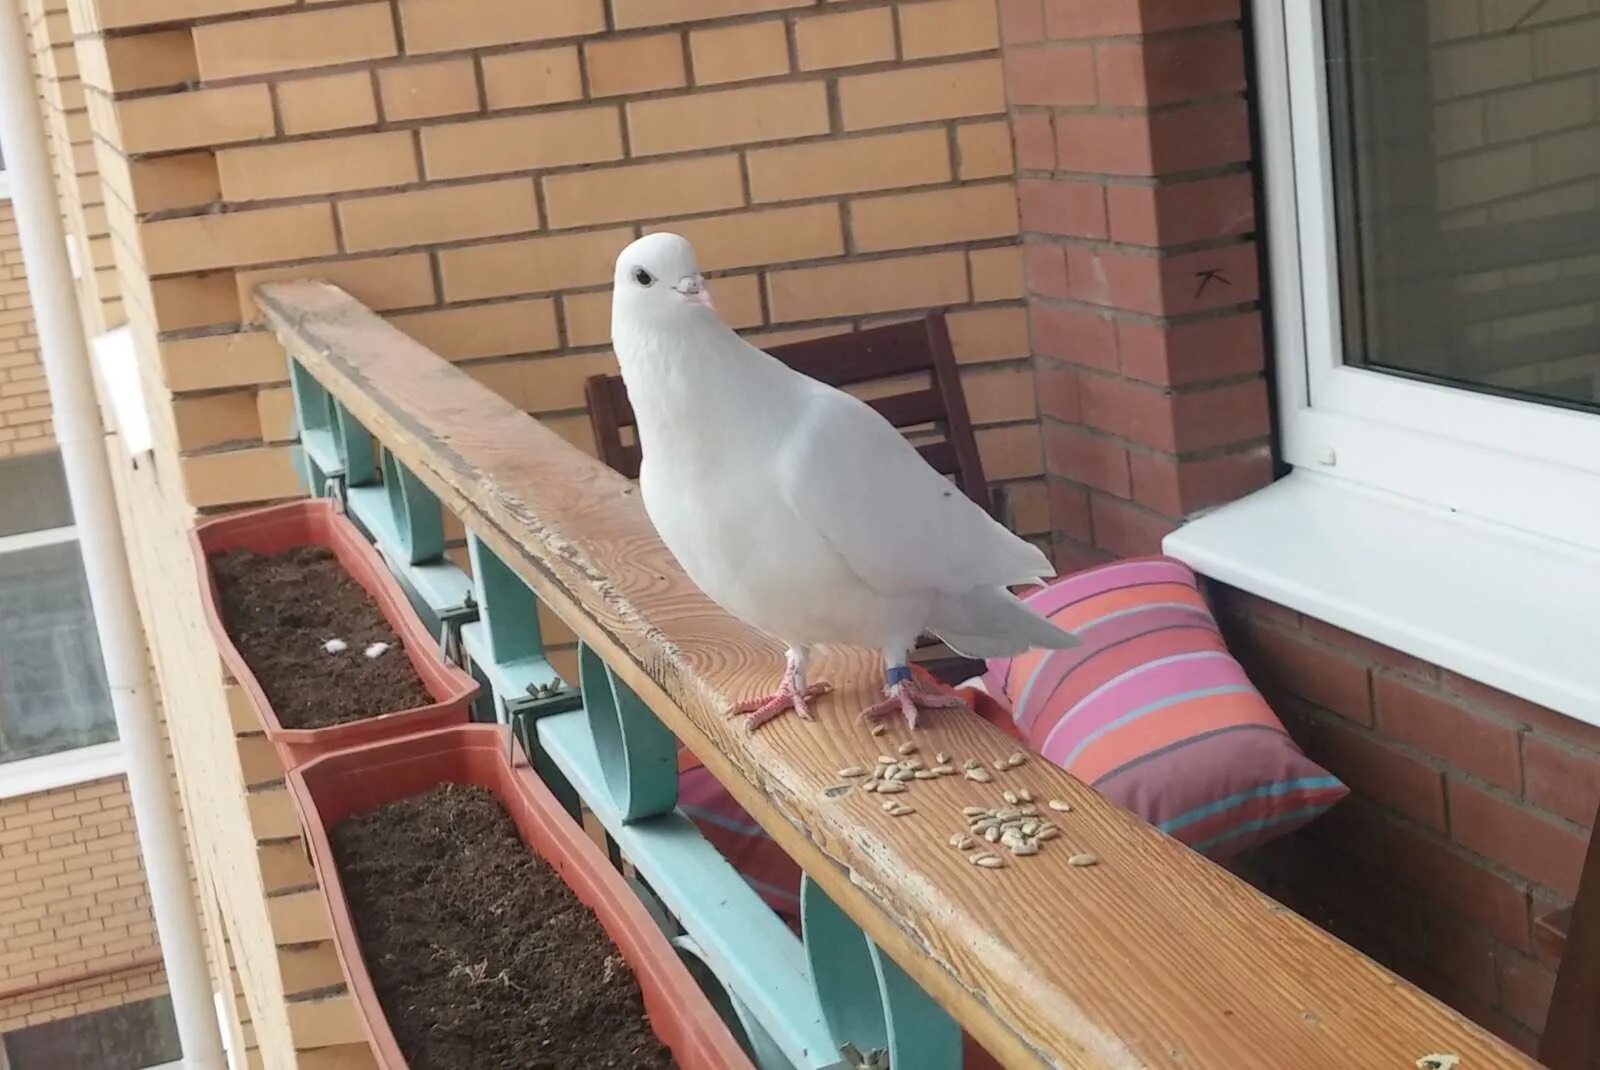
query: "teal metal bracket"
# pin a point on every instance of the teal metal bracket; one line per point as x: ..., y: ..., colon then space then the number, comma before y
x: 744, y: 1026
x: 313, y: 411
x: 415, y: 510
x: 871, y: 1007
x: 353, y: 445
x: 638, y: 755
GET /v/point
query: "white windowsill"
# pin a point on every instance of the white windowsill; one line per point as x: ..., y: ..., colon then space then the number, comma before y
x: 1511, y: 610
x: 82, y: 765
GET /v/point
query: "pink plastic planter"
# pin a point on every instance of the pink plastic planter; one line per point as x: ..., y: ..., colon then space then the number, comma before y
x: 337, y: 786
x: 317, y: 523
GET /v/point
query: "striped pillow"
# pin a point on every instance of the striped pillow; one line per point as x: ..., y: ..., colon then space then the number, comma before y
x: 1154, y: 713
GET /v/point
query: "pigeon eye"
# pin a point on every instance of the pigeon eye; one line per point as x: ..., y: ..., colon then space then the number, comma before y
x: 643, y: 277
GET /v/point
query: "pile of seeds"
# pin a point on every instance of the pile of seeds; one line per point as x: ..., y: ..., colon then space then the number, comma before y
x: 893, y: 774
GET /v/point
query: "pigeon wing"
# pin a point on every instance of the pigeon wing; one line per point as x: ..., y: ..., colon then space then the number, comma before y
x: 900, y: 525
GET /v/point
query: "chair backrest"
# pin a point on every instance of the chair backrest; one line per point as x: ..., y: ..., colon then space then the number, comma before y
x: 1571, y: 1039
x: 900, y: 350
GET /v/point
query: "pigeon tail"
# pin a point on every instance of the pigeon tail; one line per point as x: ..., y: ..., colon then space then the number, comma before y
x: 991, y: 622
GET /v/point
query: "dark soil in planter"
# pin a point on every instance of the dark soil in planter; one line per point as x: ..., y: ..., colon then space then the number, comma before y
x: 482, y: 958
x: 280, y: 609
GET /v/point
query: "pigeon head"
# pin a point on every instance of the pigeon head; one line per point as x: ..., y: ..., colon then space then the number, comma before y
x: 658, y: 281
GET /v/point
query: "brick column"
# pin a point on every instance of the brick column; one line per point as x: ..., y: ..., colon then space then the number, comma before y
x: 1133, y: 155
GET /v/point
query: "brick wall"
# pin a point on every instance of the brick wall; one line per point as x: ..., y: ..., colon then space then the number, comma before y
x: 473, y: 170
x: 24, y: 398
x: 1137, y: 209
x: 75, y: 927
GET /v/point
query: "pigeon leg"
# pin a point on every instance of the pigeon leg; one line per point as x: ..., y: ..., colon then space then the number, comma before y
x: 793, y: 694
x: 905, y: 696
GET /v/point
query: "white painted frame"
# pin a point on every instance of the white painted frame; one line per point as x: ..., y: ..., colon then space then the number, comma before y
x: 76, y: 765
x: 1526, y: 465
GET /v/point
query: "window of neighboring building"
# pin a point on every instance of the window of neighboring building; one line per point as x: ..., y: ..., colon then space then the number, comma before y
x: 1434, y: 183
x: 53, y: 695
x: 131, y: 1037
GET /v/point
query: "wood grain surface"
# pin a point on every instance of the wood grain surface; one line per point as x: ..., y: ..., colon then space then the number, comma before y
x: 1152, y: 958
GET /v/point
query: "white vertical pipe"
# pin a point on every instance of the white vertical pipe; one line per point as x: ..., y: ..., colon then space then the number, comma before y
x: 81, y: 437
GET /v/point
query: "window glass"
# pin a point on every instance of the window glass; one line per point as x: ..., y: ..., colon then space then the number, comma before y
x: 1466, y: 141
x: 33, y: 495
x: 131, y: 1037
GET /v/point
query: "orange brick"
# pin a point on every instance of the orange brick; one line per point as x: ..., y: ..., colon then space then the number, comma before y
x: 326, y: 165
x: 526, y: 79
x: 588, y: 318
x: 428, y: 90
x: 275, y: 415
x: 327, y: 102
x: 865, y: 287
x: 263, y: 474
x: 643, y: 191
x: 854, y: 165
x: 730, y: 117
x: 938, y: 217
x: 532, y: 265
x: 1000, y: 394
x: 196, y: 118
x: 740, y: 52
x: 548, y: 384
x: 773, y: 236
x: 119, y: 14
x: 294, y: 42
x: 223, y: 360
x: 498, y: 330
x: 1012, y: 452
x: 634, y: 64
x: 845, y: 39
x: 522, y: 142
x: 449, y: 25
x: 441, y: 214
x: 163, y: 183
x: 996, y: 274
x: 922, y: 94
x: 634, y: 13
x: 191, y: 301
x: 382, y: 283
x: 983, y: 150
x: 197, y: 243
x: 212, y: 419
x: 948, y: 28
x: 138, y: 61
x: 983, y: 334
x: 738, y: 300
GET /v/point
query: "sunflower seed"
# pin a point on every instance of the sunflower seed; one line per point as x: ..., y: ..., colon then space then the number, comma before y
x: 926, y: 774
x: 981, y: 775
x: 852, y: 771
x: 992, y: 834
x: 971, y: 763
x: 1024, y: 794
x: 990, y: 862
x: 1025, y: 849
x: 1007, y: 814
x: 884, y: 759
x: 902, y: 774
x: 912, y: 763
x: 1060, y: 807
x: 879, y: 729
x: 1029, y: 811
x: 901, y: 810
x: 871, y: 785
x: 1011, y: 797
x: 981, y: 854
x: 1000, y: 765
x: 1016, y: 758
x: 974, y: 811
x: 1049, y: 832
x: 1012, y: 839
x: 1030, y: 827
x: 956, y: 839
x: 891, y: 804
x: 890, y: 787
x: 944, y: 770
x: 907, y: 748
x: 942, y: 758
x: 1084, y: 859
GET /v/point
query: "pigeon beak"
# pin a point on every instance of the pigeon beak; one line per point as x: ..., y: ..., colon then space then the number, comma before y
x: 693, y: 288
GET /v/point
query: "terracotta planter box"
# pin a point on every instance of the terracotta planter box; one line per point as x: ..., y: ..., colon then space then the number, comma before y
x: 317, y: 523
x: 361, y: 779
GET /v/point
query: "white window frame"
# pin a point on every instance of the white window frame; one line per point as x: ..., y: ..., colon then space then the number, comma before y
x: 1525, y: 465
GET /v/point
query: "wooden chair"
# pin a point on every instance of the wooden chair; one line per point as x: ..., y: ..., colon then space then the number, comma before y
x: 1571, y: 1039
x: 932, y: 410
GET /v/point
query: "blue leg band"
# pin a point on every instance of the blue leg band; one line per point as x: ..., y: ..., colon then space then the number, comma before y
x: 898, y: 674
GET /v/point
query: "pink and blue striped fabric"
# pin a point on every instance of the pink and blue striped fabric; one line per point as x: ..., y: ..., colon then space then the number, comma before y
x: 1155, y: 714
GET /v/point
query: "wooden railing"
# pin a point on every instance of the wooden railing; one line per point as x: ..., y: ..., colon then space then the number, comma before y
x: 1151, y: 958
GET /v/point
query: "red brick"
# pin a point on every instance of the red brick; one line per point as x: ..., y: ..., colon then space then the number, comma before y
x: 1070, y: 555
x: 1036, y: 140
x: 1221, y: 416
x: 1321, y: 676
x: 1021, y: 21
x: 1477, y: 745
x: 1160, y: 15
x: 1213, y: 134
x: 1378, y: 771
x: 1525, y: 990
x: 1377, y: 653
x: 1416, y: 859
x: 1182, y: 487
x: 1164, y: 285
x: 1523, y: 711
x: 1045, y: 269
x: 1069, y: 510
x: 1193, y: 352
x: 1142, y: 73
x: 1562, y: 779
x: 1540, y: 849
x: 1462, y: 952
x: 1085, y: 457
x: 1057, y: 75
x: 1134, y: 411
x: 1056, y: 386
x: 1073, y: 209
x: 1107, y: 144
x: 1125, y: 529
x: 1074, y: 335
x: 1244, y: 604
x: 1183, y: 212
x: 1110, y: 18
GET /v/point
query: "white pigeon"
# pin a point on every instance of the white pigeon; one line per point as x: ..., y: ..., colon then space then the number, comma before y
x: 796, y: 507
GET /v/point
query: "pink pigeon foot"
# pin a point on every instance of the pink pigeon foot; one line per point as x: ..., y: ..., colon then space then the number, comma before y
x: 793, y: 694
x: 906, y: 696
